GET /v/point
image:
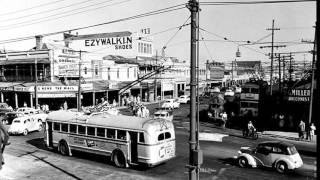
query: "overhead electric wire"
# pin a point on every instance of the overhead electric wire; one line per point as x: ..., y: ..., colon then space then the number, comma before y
x: 160, y: 11
x: 230, y: 40
x: 205, y: 45
x: 48, y: 11
x: 174, y: 35
x: 251, y: 2
x: 33, y: 7
x: 45, y: 19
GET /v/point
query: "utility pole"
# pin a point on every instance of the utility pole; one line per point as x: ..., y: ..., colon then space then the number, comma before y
x: 290, y: 69
x: 79, y: 83
x: 312, y: 77
x: 195, y: 155
x: 36, y: 82
x: 280, y: 88
x: 316, y: 114
x: 155, y: 81
x: 272, y: 46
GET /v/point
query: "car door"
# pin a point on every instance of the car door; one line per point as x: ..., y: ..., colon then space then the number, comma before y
x: 28, y: 124
x: 264, y: 155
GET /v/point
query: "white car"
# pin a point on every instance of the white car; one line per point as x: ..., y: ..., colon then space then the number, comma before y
x: 229, y: 92
x: 24, y: 125
x: 167, y: 115
x: 184, y: 99
x: 33, y: 113
x: 171, y: 103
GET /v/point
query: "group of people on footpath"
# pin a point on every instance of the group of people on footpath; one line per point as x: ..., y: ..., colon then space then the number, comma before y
x: 306, y: 131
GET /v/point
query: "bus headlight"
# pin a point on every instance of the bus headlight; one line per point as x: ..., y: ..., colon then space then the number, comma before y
x: 209, y: 114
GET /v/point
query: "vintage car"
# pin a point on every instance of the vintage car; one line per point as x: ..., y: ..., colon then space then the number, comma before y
x: 24, y: 125
x: 282, y: 156
x: 167, y: 115
x: 4, y: 108
x: 171, y: 103
x: 25, y: 111
x: 184, y: 99
x: 229, y: 92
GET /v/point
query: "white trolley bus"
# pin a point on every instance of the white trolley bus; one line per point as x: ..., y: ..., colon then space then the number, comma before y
x: 128, y: 140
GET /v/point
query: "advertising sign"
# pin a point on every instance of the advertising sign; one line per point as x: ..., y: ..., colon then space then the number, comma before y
x: 299, y: 95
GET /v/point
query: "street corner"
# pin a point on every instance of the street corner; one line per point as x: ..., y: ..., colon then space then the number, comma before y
x: 16, y: 167
x: 217, y: 137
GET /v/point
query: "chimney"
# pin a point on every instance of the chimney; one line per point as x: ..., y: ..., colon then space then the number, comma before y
x: 39, y: 42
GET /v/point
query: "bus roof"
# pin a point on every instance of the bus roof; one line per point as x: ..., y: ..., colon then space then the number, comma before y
x: 104, y: 119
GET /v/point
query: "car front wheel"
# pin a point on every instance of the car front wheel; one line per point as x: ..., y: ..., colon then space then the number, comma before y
x: 281, y: 167
x: 242, y: 162
x: 25, y: 132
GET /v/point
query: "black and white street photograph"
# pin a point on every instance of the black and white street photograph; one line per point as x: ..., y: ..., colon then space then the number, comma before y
x: 159, y: 90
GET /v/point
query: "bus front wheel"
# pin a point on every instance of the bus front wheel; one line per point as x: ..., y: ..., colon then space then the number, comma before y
x: 119, y: 159
x: 63, y: 148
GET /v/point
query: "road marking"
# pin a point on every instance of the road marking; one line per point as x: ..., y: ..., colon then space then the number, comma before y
x: 211, y: 137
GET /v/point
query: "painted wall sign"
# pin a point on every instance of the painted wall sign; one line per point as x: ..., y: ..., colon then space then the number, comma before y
x: 57, y: 88
x: 56, y: 95
x: 299, y: 95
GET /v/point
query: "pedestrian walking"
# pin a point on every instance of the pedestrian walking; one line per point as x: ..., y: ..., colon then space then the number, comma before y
x: 4, y: 140
x: 312, y: 129
x: 65, y: 105
x: 302, y: 127
x: 308, y: 131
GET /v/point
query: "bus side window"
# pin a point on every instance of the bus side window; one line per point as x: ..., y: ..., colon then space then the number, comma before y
x: 121, y: 134
x: 73, y: 128
x: 161, y: 137
x: 81, y: 129
x: 167, y: 135
x: 111, y: 133
x: 141, y: 137
x: 56, y: 126
x: 64, y: 127
x: 101, y: 132
x: 91, y: 131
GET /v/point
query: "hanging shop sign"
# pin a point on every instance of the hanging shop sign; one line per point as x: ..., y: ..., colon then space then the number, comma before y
x: 299, y: 95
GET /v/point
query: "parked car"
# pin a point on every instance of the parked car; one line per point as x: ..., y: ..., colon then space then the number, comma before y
x: 24, y: 125
x: 229, y: 92
x: 25, y: 111
x: 4, y: 108
x: 282, y: 156
x: 171, y: 103
x: 10, y: 116
x: 184, y: 99
x: 167, y: 115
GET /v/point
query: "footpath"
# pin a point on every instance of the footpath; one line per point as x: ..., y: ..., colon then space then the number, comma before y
x: 303, y: 146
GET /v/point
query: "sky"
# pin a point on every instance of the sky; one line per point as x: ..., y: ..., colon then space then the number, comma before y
x: 236, y: 23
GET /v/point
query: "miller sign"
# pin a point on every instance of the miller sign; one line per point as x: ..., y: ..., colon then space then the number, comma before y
x: 299, y: 95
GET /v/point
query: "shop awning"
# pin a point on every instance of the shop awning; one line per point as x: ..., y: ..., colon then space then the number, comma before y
x: 25, y: 61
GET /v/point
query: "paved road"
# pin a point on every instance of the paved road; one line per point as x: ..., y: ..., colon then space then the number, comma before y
x: 27, y: 158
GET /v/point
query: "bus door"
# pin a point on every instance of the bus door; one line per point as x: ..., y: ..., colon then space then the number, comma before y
x: 49, y: 134
x: 134, y: 146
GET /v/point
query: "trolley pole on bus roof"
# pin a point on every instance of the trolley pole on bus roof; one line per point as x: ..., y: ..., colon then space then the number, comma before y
x: 195, y: 154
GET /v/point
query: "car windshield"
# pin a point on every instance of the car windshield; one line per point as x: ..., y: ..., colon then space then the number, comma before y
x: 292, y: 150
